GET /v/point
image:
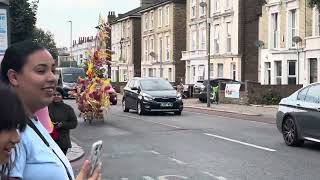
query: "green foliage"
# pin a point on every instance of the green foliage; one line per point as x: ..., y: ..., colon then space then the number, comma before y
x: 23, y: 19
x: 314, y: 3
x: 46, y: 39
x: 271, y: 98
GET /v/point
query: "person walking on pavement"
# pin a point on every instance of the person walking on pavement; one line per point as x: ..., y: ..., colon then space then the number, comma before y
x: 28, y: 69
x: 63, y: 118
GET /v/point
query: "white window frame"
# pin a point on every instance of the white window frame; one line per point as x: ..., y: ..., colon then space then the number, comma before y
x: 274, y: 31
x: 277, y: 76
x: 202, y: 9
x: 296, y: 68
x: 229, y: 4
x: 167, y: 16
x: 292, y: 27
x: 146, y: 21
x: 233, y: 72
x: 160, y: 17
x: 170, y: 79
x: 216, y: 6
x: 203, y: 38
x: 192, y: 9
x: 318, y: 23
x: 151, y: 47
x: 193, y: 44
x: 151, y: 20
x: 211, y: 70
x: 216, y: 38
x: 201, y: 72
x: 229, y: 38
x: 167, y: 48
x: 220, y: 73
x: 160, y: 49
x: 146, y: 55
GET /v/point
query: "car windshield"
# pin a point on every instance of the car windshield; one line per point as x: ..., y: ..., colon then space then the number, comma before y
x: 72, y: 78
x: 155, y: 85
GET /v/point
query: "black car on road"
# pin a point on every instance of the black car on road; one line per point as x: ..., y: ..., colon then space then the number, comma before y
x: 151, y: 95
x: 298, y: 117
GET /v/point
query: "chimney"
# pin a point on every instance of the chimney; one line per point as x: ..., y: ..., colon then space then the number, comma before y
x: 111, y: 16
x: 146, y: 3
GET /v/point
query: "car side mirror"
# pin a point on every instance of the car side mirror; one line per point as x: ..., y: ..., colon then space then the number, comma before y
x: 135, y: 89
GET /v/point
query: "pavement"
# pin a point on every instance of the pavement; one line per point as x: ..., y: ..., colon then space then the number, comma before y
x: 77, y: 152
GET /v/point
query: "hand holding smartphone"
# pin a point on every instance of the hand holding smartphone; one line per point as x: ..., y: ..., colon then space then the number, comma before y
x: 95, y: 155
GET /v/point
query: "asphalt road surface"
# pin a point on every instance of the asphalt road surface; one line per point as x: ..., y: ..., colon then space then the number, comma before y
x: 195, y: 146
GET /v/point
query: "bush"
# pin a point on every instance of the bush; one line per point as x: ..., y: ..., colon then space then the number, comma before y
x: 271, y: 98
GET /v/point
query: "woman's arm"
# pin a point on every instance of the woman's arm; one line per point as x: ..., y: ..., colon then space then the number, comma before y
x: 72, y: 121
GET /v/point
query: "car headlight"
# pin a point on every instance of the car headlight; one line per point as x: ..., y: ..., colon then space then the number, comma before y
x: 147, y: 98
x: 179, y: 96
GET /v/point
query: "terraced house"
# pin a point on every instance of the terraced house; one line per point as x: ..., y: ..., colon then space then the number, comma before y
x: 163, y: 33
x: 290, y: 49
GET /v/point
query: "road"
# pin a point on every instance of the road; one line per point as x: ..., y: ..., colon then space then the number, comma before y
x: 194, y: 146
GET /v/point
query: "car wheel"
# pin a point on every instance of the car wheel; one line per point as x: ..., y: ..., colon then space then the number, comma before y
x: 290, y: 133
x: 177, y: 112
x: 124, y: 106
x: 114, y: 103
x: 139, y: 109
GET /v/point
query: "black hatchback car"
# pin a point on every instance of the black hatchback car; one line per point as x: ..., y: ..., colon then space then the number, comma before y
x: 151, y: 95
x: 298, y: 117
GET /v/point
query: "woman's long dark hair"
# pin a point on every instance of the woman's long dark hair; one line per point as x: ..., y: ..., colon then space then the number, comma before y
x: 12, y: 116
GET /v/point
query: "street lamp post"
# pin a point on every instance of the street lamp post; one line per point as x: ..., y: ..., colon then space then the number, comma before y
x: 208, y: 7
x: 297, y: 40
x: 71, y: 55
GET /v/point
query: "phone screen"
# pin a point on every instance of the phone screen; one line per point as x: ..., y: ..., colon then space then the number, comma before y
x: 95, y: 155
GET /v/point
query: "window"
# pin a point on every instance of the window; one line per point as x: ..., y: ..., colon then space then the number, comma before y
x: 150, y: 72
x: 216, y: 5
x: 292, y: 29
x: 220, y: 70
x: 146, y: 27
x: 211, y: 70
x: 151, y: 20
x: 233, y: 71
x: 201, y: 70
x: 193, y: 8
x: 216, y: 38
x: 144, y: 72
x: 170, y: 75
x: 160, y: 17
x: 229, y: 36
x: 146, y: 50
x: 203, y: 38
x: 275, y: 30
x: 313, y: 69
x: 167, y: 19
x: 278, y: 66
x: 202, y: 9
x: 268, y: 73
x: 302, y: 94
x: 318, y: 23
x: 228, y: 4
x: 151, y: 48
x: 292, y: 77
x: 193, y: 74
x: 193, y: 40
x: 313, y: 94
x: 167, y: 48
x: 160, y: 49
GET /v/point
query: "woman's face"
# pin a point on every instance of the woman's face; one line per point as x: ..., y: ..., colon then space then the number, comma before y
x: 8, y: 139
x: 36, y: 82
x: 57, y: 97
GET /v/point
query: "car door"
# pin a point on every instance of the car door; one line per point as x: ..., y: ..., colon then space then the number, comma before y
x: 311, y: 118
x: 299, y: 112
x: 135, y: 93
x: 127, y: 94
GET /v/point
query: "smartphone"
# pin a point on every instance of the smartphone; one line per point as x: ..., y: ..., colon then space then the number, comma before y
x: 95, y: 155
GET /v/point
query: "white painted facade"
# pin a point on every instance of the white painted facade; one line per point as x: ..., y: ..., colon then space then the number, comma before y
x: 82, y: 51
x: 225, y: 59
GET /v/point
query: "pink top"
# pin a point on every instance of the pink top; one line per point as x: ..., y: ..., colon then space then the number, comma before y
x: 44, y: 118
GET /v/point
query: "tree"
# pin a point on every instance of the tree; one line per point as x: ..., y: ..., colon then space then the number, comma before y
x: 315, y: 3
x: 23, y: 19
x: 45, y: 39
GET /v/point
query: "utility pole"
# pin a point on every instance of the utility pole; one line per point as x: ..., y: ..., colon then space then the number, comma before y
x: 71, y: 54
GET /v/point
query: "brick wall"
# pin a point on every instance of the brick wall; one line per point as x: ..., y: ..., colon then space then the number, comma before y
x: 179, y: 39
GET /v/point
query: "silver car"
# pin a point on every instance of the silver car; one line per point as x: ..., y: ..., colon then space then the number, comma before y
x: 298, y: 117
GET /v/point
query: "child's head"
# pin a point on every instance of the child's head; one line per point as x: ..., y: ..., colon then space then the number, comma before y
x: 12, y: 119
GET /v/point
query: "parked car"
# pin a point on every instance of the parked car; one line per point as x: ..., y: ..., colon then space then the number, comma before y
x: 213, y: 82
x: 151, y: 95
x: 298, y: 116
x: 67, y: 79
x: 198, y: 86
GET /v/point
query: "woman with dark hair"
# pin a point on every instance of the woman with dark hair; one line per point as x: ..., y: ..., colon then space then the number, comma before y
x: 29, y: 70
x: 12, y: 120
x: 64, y: 119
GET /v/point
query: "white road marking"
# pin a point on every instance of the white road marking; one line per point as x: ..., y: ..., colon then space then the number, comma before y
x: 154, y: 152
x: 216, y: 177
x: 163, y: 124
x: 148, y: 178
x: 240, y: 142
x: 178, y: 161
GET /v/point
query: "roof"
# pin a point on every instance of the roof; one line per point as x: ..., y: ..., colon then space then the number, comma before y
x: 158, y: 3
x: 132, y: 13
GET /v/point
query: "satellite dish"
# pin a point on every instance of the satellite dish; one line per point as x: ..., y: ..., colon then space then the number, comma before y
x: 259, y: 44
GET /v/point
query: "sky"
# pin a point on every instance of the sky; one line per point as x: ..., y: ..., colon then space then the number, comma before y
x: 53, y: 15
